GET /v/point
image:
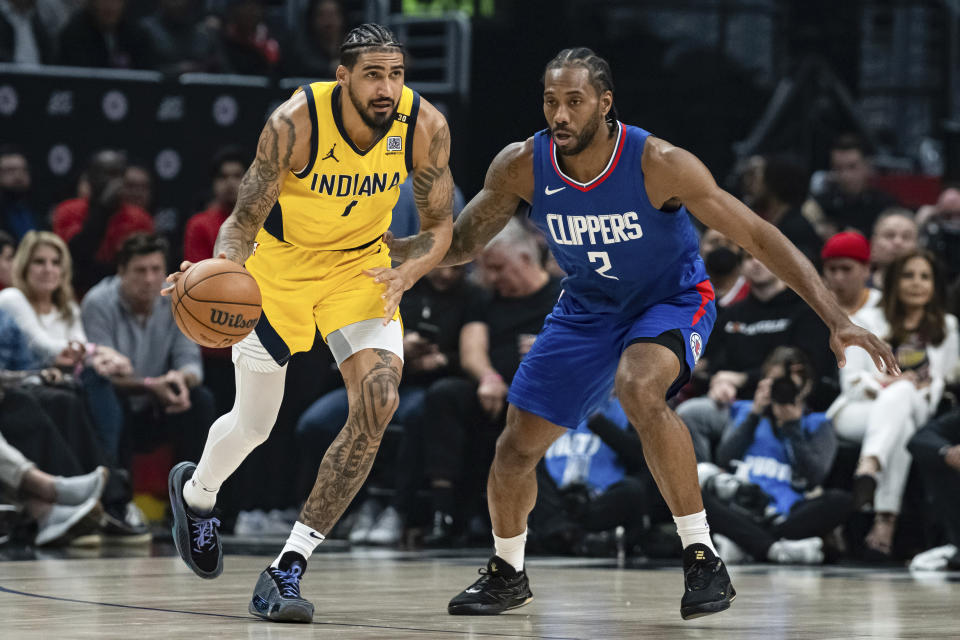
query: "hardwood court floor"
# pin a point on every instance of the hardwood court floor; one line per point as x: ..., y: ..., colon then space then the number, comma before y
x: 399, y: 596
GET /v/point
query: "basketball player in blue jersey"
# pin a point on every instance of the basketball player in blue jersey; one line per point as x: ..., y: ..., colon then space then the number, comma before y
x: 635, y: 314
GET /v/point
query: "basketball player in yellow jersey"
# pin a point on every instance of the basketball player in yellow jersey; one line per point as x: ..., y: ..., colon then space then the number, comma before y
x: 308, y: 224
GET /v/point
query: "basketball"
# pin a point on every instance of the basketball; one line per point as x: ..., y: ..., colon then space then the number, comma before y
x: 216, y: 303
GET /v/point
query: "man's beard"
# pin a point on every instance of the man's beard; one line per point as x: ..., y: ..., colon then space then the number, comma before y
x: 583, y: 140
x: 379, y: 124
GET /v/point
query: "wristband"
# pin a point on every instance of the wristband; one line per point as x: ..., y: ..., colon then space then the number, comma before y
x: 492, y: 375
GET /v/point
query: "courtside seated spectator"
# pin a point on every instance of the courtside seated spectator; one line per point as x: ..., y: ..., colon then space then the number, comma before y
x: 44, y: 307
x: 180, y: 44
x: 63, y: 507
x: 884, y: 411
x: 589, y: 482
x: 94, y: 227
x: 782, y: 194
x: 780, y: 451
x: 846, y: 270
x: 316, y: 42
x: 127, y: 313
x: 247, y: 44
x: 101, y: 35
x: 895, y: 234
x: 17, y: 215
x: 849, y: 200
x: 936, y: 450
x: 724, y: 262
x: 940, y: 230
x: 7, y: 249
x: 202, y: 228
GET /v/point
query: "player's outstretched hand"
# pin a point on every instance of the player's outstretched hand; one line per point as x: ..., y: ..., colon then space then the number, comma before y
x: 173, y: 277
x: 850, y: 335
x: 396, y: 284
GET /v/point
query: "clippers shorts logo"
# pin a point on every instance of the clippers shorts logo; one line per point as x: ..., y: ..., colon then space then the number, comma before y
x: 696, y: 346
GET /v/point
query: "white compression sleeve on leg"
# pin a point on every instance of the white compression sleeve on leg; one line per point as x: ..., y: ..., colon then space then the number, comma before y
x: 234, y: 435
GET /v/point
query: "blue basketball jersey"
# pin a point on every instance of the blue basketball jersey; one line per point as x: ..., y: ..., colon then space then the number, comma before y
x: 620, y: 253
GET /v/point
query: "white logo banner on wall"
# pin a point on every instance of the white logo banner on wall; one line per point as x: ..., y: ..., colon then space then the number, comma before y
x: 225, y: 110
x: 60, y: 159
x: 168, y: 164
x: 115, y: 105
x: 9, y: 100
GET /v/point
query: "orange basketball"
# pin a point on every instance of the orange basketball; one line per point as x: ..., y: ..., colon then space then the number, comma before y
x: 216, y: 303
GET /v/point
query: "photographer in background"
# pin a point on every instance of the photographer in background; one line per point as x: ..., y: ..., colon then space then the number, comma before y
x: 782, y: 452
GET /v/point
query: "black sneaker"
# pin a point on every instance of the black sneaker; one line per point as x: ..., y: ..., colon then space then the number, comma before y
x: 500, y: 587
x: 441, y: 535
x: 708, y: 588
x: 125, y: 524
x: 277, y: 594
x: 196, y: 537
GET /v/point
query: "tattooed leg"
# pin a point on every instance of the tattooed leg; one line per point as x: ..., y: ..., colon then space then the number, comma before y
x: 372, y: 377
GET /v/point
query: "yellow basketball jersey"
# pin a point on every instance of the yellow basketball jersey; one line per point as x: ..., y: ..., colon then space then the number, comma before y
x: 344, y: 197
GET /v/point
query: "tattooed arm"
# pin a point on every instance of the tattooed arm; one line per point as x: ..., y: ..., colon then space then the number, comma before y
x: 433, y: 195
x: 284, y: 146
x: 509, y: 180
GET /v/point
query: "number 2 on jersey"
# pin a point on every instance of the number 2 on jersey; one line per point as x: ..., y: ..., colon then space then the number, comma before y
x: 604, y: 260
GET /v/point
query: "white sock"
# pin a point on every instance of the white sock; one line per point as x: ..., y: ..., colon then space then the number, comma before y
x: 511, y: 549
x: 694, y: 529
x: 199, y: 497
x: 302, y: 540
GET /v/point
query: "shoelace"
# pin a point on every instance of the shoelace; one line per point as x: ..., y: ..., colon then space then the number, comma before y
x: 289, y: 581
x: 203, y: 530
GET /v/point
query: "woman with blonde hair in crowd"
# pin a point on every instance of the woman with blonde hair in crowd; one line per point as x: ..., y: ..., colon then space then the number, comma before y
x: 43, y: 304
x: 883, y: 411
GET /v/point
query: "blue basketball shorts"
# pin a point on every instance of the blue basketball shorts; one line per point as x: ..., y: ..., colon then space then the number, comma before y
x: 570, y: 370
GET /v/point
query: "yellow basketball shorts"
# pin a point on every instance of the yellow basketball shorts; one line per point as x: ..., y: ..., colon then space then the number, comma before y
x: 305, y: 290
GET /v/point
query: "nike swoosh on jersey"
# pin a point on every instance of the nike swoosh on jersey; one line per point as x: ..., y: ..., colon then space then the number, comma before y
x: 550, y: 192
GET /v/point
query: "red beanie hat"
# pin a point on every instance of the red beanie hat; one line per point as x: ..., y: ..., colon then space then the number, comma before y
x: 847, y: 244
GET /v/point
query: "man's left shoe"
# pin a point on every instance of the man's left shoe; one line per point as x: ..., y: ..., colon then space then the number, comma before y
x: 277, y: 594
x: 706, y: 581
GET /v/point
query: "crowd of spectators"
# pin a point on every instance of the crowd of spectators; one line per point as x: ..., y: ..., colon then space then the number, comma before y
x: 799, y: 461
x: 174, y: 36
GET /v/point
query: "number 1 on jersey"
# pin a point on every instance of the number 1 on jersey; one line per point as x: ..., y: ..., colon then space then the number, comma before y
x: 346, y: 211
x: 604, y: 259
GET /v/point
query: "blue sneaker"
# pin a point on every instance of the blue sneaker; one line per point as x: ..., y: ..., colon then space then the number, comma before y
x: 196, y: 537
x: 277, y: 594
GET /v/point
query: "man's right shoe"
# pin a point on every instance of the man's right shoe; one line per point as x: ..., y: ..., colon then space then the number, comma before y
x: 196, y: 537
x: 277, y: 594
x: 500, y: 587
x: 707, y: 587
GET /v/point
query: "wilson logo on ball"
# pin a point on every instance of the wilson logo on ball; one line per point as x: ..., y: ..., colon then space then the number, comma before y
x: 234, y: 320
